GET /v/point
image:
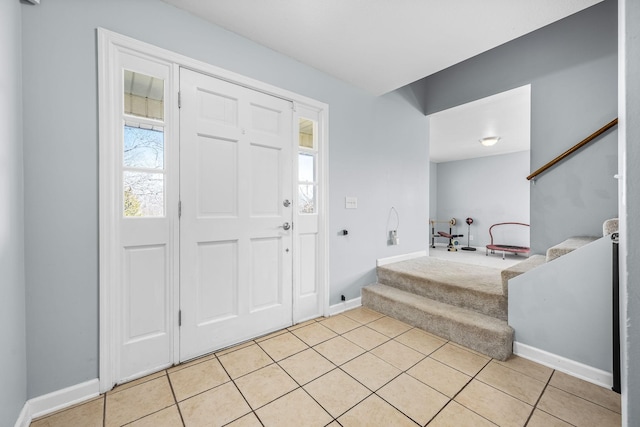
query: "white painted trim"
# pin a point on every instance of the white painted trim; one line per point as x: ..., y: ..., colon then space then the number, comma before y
x: 560, y: 363
x: 23, y: 419
x: 109, y: 45
x: 57, y: 400
x: 106, y: 219
x: 119, y: 41
x: 112, y: 58
x: 322, y: 181
x: 323, y: 224
x: 398, y: 258
x: 344, y: 306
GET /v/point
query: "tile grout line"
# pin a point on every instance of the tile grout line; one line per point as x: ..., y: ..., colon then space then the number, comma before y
x: 581, y: 397
x: 154, y: 412
x: 319, y: 321
x: 175, y: 399
x: 509, y: 394
x: 319, y: 404
x: 337, y: 367
x: 104, y: 411
x: 300, y: 386
x: 471, y: 378
x: 402, y: 371
x: 504, y: 365
x: 454, y: 368
x: 578, y: 397
x: 232, y: 380
x: 116, y: 390
x: 398, y: 409
x: 539, y: 398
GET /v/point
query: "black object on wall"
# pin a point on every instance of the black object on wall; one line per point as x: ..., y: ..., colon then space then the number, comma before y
x: 616, y: 315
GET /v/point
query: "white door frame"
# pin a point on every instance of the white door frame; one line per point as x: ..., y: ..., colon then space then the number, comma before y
x: 110, y: 46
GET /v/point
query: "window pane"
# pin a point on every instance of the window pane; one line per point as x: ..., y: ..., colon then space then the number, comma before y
x: 143, y: 148
x: 306, y: 166
x: 143, y: 194
x: 143, y: 95
x: 306, y: 133
x: 306, y: 198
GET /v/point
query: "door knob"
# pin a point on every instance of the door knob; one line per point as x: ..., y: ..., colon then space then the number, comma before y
x: 286, y: 226
x: 286, y: 203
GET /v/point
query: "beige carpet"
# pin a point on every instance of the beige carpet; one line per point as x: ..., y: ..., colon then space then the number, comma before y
x: 469, y: 286
x: 460, y: 302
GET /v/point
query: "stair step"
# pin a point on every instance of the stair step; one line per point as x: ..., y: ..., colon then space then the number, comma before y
x: 522, y: 267
x: 610, y: 226
x: 469, y: 328
x: 472, y: 287
x: 569, y: 245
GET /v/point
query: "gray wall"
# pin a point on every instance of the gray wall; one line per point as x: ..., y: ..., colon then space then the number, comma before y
x: 433, y: 190
x: 13, y: 392
x: 538, y: 301
x: 572, y: 68
x: 630, y: 206
x: 489, y: 190
x: 378, y: 151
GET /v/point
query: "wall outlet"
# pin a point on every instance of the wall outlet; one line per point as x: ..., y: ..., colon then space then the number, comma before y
x: 471, y: 237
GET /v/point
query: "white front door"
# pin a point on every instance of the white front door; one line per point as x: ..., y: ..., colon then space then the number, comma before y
x: 227, y: 267
x: 236, y: 213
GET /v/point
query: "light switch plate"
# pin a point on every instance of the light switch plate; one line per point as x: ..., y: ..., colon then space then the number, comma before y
x: 351, y: 202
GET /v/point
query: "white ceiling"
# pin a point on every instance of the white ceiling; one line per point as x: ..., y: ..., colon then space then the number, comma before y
x: 381, y: 45
x: 454, y: 134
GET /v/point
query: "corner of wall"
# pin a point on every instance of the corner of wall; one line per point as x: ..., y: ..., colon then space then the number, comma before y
x: 13, y: 392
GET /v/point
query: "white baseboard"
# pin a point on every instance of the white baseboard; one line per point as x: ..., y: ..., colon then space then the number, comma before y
x: 568, y: 366
x: 344, y: 306
x: 23, y: 419
x: 54, y: 401
x: 398, y: 258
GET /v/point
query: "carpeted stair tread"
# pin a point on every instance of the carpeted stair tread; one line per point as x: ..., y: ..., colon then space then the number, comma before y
x: 569, y: 245
x: 472, y: 287
x: 520, y: 268
x: 610, y: 226
x: 471, y: 329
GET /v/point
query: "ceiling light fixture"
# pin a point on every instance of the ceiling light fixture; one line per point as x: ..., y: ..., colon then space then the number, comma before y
x: 489, y: 141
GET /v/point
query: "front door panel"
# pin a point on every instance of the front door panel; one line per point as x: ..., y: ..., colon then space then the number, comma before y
x: 235, y: 172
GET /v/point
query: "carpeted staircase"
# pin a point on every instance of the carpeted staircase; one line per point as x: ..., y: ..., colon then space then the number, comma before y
x: 464, y: 303
x: 460, y: 302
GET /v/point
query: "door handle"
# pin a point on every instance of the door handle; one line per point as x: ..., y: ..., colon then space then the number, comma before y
x: 286, y: 226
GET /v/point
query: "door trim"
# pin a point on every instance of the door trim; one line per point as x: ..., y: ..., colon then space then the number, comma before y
x: 110, y: 46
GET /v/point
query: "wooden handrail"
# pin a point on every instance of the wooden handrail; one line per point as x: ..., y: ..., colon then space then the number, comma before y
x: 575, y: 148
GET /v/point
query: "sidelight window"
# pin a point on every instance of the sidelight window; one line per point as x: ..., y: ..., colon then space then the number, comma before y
x: 143, y: 151
x: 307, y: 165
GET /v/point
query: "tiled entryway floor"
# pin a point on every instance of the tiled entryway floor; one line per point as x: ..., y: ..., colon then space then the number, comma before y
x: 359, y: 368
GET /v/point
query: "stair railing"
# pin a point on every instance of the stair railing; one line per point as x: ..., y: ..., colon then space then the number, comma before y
x: 575, y: 148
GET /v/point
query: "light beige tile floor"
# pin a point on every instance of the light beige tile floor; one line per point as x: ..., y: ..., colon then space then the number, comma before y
x: 359, y: 368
